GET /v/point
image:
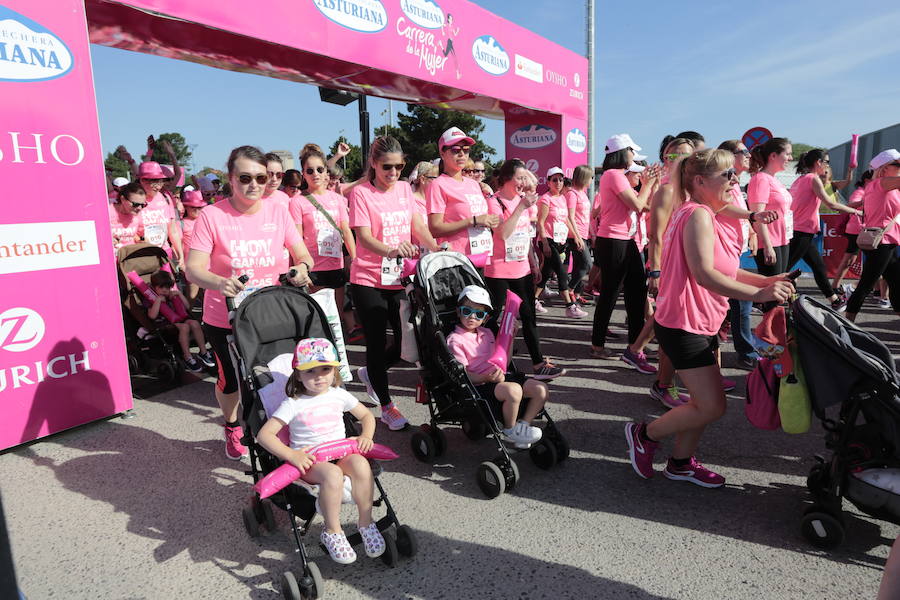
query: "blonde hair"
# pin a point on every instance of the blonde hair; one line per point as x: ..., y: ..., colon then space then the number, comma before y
x: 581, y: 176
x: 425, y: 168
x: 294, y: 386
x: 704, y: 163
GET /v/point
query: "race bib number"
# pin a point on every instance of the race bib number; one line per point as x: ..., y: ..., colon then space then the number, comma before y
x: 328, y: 241
x: 789, y: 224
x: 560, y: 232
x: 481, y: 241
x: 517, y: 246
x: 155, y: 234
x: 242, y: 295
x: 390, y: 271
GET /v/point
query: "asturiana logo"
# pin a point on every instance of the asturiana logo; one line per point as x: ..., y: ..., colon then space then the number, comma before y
x: 490, y: 55
x: 424, y: 13
x: 532, y: 136
x: 576, y: 141
x: 366, y: 16
x: 29, y: 51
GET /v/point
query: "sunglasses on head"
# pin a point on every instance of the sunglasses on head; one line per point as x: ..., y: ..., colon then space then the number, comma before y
x: 389, y: 166
x: 260, y: 179
x: 458, y: 149
x: 468, y: 311
x: 275, y: 174
x: 311, y: 170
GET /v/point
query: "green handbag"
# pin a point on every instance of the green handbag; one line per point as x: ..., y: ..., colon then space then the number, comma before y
x: 794, y: 405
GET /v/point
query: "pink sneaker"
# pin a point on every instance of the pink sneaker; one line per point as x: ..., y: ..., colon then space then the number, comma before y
x: 640, y: 452
x: 695, y: 473
x: 728, y: 385
x: 539, y: 307
x: 234, y: 449
x: 638, y: 361
x: 669, y: 397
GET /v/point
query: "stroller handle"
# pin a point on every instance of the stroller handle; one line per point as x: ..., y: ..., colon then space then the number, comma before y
x: 229, y: 302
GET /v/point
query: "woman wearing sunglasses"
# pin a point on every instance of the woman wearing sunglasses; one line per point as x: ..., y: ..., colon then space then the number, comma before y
x: 384, y: 216
x: 161, y: 226
x: 699, y: 273
x: 275, y: 173
x: 125, y: 215
x: 881, y: 208
x: 241, y: 235
x: 425, y: 173
x: 457, y: 209
x: 578, y: 206
x: 808, y: 192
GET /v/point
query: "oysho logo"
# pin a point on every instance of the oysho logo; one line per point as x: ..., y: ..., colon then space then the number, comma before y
x: 576, y: 141
x: 423, y: 13
x: 556, y: 78
x: 532, y: 136
x: 365, y: 16
x: 490, y: 55
x: 29, y: 51
x: 21, y: 329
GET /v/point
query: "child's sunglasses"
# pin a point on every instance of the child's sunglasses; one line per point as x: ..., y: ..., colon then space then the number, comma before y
x: 467, y: 311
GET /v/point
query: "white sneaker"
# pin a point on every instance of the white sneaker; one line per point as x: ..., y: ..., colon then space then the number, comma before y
x: 522, y: 434
x: 548, y: 293
x: 574, y: 312
x: 538, y: 307
x: 884, y: 303
x: 363, y: 374
x: 393, y: 418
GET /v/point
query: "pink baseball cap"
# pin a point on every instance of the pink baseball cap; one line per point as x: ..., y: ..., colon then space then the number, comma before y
x: 452, y: 136
x: 315, y: 352
x: 193, y: 198
x: 151, y: 170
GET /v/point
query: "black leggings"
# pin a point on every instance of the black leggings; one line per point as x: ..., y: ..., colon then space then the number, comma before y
x: 555, y: 264
x: 522, y: 287
x: 881, y: 262
x: 581, y: 264
x: 780, y: 266
x: 803, y: 246
x: 376, y: 309
x: 619, y: 261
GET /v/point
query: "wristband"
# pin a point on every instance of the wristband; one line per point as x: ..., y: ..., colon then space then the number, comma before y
x: 474, y: 221
x: 653, y: 274
x: 752, y: 217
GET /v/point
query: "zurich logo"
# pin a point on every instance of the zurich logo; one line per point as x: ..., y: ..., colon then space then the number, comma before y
x: 490, y: 55
x: 29, y: 51
x: 21, y: 329
x: 424, y: 13
x: 365, y: 16
x: 532, y: 136
x: 576, y: 141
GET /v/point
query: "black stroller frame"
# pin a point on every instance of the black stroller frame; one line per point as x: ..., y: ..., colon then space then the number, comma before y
x: 268, y: 323
x: 452, y: 398
x: 858, y: 375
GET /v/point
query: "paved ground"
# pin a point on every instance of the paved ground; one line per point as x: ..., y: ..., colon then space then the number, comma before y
x: 149, y: 507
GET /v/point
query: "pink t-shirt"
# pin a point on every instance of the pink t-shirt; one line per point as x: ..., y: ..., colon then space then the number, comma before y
x: 510, y: 259
x: 389, y: 216
x: 805, y: 204
x: 156, y: 217
x: 880, y: 208
x: 279, y: 197
x: 765, y: 189
x: 472, y: 348
x: 458, y: 200
x: 617, y: 220
x: 187, y: 232
x: 854, y: 224
x: 126, y: 228
x: 578, y: 201
x: 555, y: 227
x: 323, y: 241
x: 242, y: 244
x: 735, y: 231
x: 683, y: 303
x: 640, y: 235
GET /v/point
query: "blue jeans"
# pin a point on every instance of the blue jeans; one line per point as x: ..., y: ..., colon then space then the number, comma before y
x: 739, y: 315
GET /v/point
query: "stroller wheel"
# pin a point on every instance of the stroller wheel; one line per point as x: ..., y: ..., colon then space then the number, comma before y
x: 544, y: 454
x: 822, y: 529
x: 407, y: 544
x: 250, y: 522
x: 562, y: 447
x: 423, y: 446
x: 134, y: 364
x: 264, y: 513
x: 474, y: 429
x: 289, y: 588
x: 440, y: 440
x: 390, y: 556
x: 510, y: 471
x: 491, y: 479
x: 312, y: 585
x: 166, y: 372
x: 817, y: 480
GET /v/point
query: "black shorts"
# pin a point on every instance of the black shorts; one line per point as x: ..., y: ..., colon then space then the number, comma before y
x: 217, y: 337
x: 487, y: 392
x: 852, y: 248
x: 687, y: 350
x: 334, y: 280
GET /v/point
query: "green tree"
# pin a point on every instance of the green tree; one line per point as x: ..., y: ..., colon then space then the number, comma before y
x: 116, y: 166
x: 352, y: 163
x: 798, y: 149
x: 182, y: 151
x: 420, y: 129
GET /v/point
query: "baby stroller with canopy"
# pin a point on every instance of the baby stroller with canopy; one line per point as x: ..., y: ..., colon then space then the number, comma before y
x: 266, y: 327
x: 445, y: 387
x: 850, y: 369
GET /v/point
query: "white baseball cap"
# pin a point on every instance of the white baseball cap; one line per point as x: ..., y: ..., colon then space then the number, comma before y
x: 884, y: 157
x: 452, y: 136
x: 620, y: 141
x: 120, y: 181
x: 636, y: 168
x: 476, y: 294
x: 188, y: 188
x: 555, y: 171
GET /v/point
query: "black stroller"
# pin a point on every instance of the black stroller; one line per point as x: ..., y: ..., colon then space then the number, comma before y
x: 267, y: 325
x: 445, y: 387
x: 849, y: 367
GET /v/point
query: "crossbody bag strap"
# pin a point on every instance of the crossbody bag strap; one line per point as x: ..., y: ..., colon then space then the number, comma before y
x: 324, y: 212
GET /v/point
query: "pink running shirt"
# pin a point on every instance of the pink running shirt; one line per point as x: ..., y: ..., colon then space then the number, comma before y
x: 880, y: 207
x: 578, y: 201
x: 617, y: 220
x: 805, y: 204
x: 242, y: 244
x: 187, y: 232
x: 323, y: 241
x: 156, y: 217
x: 389, y: 216
x: 734, y: 230
x: 472, y: 348
x: 854, y: 225
x: 126, y: 229
x: 458, y: 200
x: 279, y: 197
x: 683, y: 303
x: 510, y: 259
x: 555, y: 227
x: 765, y: 189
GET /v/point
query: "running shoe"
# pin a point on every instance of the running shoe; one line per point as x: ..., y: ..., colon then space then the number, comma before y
x: 522, y: 434
x: 539, y: 307
x: 582, y: 300
x: 547, y: 371
x: 207, y: 359
x: 638, y: 360
x: 883, y: 303
x: 748, y: 361
x: 604, y: 353
x: 839, y: 305
x: 639, y: 451
x: 393, y: 418
x: 363, y: 374
x: 193, y: 365
x: 573, y: 312
x: 669, y: 397
x: 355, y: 335
x: 728, y: 385
x: 695, y: 473
x: 548, y: 293
x: 234, y: 449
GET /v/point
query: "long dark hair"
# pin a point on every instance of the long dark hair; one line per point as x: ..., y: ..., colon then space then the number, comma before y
x: 808, y: 160
x: 616, y: 160
x: 759, y: 156
x: 249, y: 152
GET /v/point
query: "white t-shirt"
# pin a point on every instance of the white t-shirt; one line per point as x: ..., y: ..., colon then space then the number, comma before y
x: 316, y: 419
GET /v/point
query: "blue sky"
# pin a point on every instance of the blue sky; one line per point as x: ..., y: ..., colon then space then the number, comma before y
x: 812, y: 71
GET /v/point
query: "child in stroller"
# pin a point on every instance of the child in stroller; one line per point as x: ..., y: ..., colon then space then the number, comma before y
x: 167, y: 293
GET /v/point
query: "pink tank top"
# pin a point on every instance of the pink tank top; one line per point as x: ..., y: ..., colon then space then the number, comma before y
x: 683, y: 303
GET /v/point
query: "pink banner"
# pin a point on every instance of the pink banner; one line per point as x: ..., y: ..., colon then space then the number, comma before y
x: 62, y: 349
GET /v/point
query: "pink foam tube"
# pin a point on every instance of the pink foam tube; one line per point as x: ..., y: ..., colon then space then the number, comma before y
x: 281, y: 477
x: 854, y: 146
x: 150, y: 295
x: 500, y: 357
x: 409, y: 264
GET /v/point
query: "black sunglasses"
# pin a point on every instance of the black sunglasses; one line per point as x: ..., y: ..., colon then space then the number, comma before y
x: 311, y: 170
x: 389, y: 166
x: 457, y: 149
x: 743, y: 151
x: 260, y: 179
x: 729, y: 173
x: 276, y: 174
